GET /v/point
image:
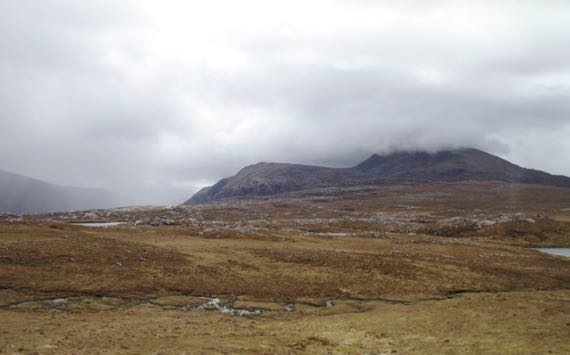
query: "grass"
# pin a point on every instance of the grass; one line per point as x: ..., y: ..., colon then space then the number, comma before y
x: 477, y: 291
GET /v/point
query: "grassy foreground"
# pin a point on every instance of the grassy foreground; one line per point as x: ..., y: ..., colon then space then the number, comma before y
x: 408, y: 270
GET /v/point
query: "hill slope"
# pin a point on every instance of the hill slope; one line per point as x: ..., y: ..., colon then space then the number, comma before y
x: 396, y: 168
x: 21, y: 194
x: 273, y: 178
x: 452, y: 165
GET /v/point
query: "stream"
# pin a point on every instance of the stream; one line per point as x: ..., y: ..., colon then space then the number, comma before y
x: 75, y: 303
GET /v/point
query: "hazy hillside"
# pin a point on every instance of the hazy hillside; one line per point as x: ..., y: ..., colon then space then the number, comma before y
x: 21, y: 194
x: 395, y: 168
x: 452, y: 165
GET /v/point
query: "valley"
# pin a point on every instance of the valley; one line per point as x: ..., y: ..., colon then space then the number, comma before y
x: 442, y: 267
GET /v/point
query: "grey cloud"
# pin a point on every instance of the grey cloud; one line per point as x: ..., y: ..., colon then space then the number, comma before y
x: 109, y: 95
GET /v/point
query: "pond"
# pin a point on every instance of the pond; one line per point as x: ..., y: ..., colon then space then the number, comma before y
x: 99, y: 224
x: 556, y: 251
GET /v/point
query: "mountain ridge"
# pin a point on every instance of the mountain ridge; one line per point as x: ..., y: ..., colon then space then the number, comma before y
x: 416, y: 167
x: 23, y: 194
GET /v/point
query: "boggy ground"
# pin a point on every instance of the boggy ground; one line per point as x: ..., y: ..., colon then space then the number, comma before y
x: 440, y: 268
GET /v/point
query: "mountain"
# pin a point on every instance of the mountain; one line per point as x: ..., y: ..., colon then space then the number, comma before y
x: 21, y: 194
x: 452, y: 165
x: 397, y: 168
x: 273, y: 178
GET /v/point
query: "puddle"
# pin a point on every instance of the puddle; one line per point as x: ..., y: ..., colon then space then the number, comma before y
x: 335, y: 234
x: 289, y: 307
x: 556, y: 251
x: 99, y: 224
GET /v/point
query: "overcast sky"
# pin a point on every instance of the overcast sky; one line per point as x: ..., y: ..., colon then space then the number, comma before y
x: 158, y: 98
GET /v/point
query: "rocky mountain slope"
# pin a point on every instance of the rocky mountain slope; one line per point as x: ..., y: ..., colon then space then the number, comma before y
x: 396, y: 168
x: 273, y: 178
x: 21, y: 194
x: 452, y: 165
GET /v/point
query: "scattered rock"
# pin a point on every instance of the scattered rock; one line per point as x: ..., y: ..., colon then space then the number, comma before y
x: 159, y: 221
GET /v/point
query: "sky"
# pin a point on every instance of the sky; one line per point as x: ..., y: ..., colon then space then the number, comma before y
x: 155, y: 99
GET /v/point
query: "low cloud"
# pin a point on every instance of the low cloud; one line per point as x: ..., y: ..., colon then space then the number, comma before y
x: 155, y: 99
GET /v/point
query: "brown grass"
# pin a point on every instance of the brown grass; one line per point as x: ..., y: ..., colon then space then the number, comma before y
x: 474, y: 290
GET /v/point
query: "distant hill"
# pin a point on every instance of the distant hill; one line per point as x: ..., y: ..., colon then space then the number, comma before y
x: 21, y: 194
x: 452, y: 165
x: 396, y: 168
x: 273, y: 178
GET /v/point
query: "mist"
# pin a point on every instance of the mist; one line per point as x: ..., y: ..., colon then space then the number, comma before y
x: 155, y: 99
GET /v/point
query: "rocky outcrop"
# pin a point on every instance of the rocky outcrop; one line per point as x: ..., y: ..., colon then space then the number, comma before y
x: 272, y: 178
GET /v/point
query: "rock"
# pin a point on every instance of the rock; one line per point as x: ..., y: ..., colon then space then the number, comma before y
x: 159, y: 221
